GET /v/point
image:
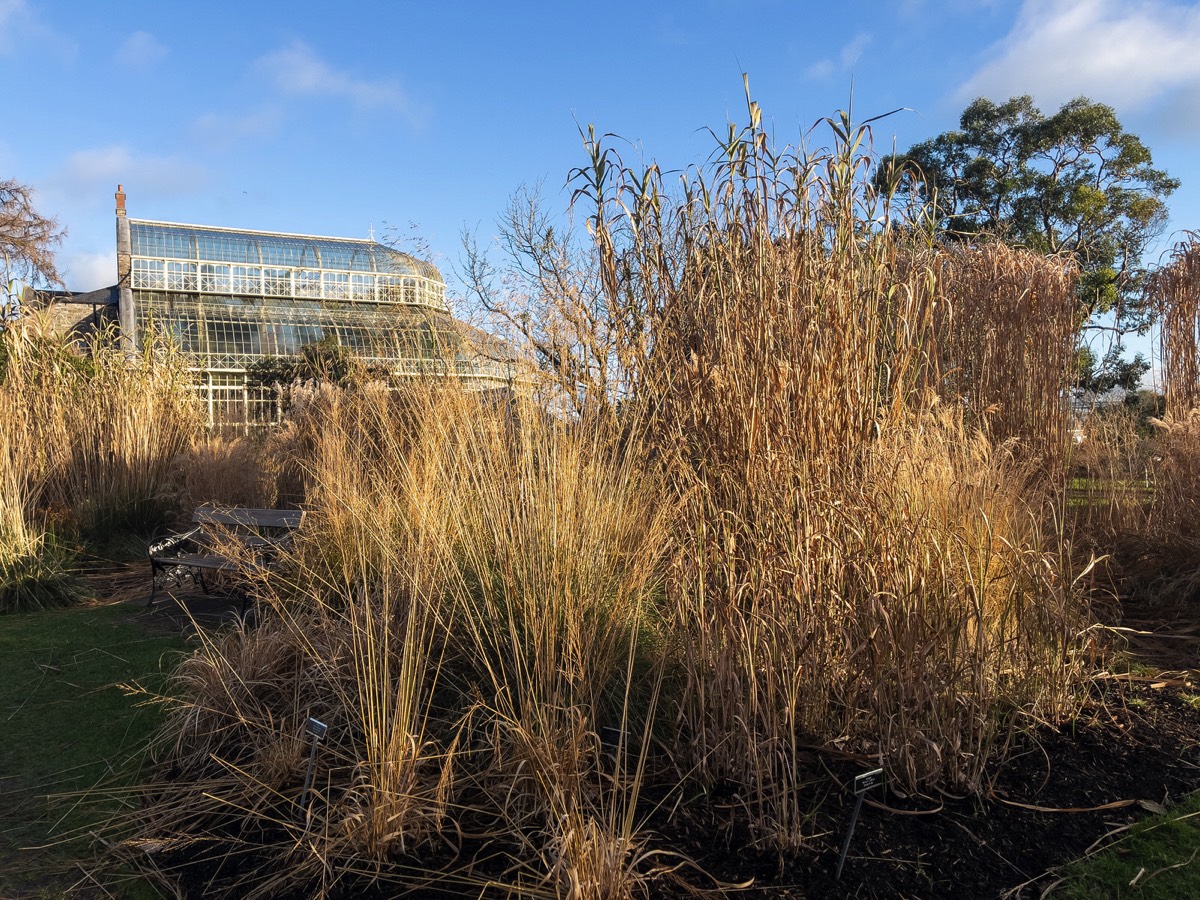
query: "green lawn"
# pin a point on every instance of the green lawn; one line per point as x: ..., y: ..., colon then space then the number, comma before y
x: 1156, y: 859
x: 66, y: 727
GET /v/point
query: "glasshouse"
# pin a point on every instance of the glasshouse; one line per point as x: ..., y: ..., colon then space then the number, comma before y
x: 232, y: 300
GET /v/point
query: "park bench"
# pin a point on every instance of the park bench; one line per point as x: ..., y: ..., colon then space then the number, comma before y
x: 229, y: 541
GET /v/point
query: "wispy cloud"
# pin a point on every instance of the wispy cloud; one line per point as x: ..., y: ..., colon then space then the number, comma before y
x: 220, y: 131
x: 847, y: 57
x: 822, y: 68
x: 141, y: 50
x: 95, y: 172
x: 853, y: 50
x: 21, y: 29
x: 10, y: 9
x: 1127, y: 53
x: 298, y: 70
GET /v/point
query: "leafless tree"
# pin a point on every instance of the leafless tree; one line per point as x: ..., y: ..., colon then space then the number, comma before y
x: 27, y: 239
x: 544, y: 297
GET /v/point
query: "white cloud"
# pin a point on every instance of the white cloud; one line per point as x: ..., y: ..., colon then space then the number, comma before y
x: 298, y: 70
x: 847, y: 57
x: 79, y: 193
x: 9, y: 9
x: 220, y: 131
x: 89, y: 271
x: 21, y: 29
x: 141, y: 50
x: 95, y: 172
x: 1126, y: 53
x: 853, y: 50
x: 822, y: 68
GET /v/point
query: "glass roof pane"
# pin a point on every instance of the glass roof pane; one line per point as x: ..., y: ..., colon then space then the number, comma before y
x: 334, y: 256
x: 280, y: 254
x: 168, y: 241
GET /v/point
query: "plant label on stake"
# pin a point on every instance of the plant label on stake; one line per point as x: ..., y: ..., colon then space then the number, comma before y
x: 862, y: 783
x: 315, y: 729
x: 866, y: 781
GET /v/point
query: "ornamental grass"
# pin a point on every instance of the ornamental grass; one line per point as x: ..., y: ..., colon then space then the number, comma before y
x: 764, y: 494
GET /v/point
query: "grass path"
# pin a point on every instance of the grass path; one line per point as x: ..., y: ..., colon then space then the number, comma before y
x: 66, y: 726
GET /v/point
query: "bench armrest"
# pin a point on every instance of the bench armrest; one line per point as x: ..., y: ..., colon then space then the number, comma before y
x: 171, y: 542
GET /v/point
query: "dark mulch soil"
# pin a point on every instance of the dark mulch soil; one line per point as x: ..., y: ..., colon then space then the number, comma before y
x: 1137, y: 749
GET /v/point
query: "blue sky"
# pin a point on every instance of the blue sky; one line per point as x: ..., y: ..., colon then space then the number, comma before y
x: 334, y: 118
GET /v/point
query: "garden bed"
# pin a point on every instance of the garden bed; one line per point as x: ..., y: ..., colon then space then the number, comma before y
x: 1134, y: 752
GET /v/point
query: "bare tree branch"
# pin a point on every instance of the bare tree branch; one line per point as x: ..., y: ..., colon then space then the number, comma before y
x: 27, y: 239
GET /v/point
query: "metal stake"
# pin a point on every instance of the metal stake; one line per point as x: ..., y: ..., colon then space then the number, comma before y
x: 316, y: 729
x: 862, y: 784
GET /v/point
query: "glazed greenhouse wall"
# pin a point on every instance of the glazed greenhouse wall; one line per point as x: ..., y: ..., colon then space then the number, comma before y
x: 230, y: 298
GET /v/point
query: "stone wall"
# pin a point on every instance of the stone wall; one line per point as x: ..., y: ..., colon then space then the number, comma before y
x: 77, y: 320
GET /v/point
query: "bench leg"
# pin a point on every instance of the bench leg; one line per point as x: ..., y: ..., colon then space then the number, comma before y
x: 153, y: 583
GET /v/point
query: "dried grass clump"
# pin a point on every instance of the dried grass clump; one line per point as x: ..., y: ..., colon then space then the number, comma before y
x: 916, y: 614
x: 858, y: 563
x: 35, y: 572
x: 1153, y: 491
x: 593, y: 860
x: 1175, y: 291
x: 971, y: 607
x: 1008, y: 342
x: 32, y: 574
x: 1177, y: 468
x: 1157, y: 551
x: 474, y: 596
x: 1110, y: 492
x: 116, y: 432
x: 227, y: 471
x: 107, y: 431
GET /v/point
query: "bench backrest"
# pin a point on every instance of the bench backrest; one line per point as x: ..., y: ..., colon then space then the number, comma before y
x: 249, y: 518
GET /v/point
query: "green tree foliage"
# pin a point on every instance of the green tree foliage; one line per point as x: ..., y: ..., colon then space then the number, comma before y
x: 1074, y: 182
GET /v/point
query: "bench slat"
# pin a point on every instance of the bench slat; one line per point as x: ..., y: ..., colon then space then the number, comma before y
x: 261, y: 547
x: 249, y: 518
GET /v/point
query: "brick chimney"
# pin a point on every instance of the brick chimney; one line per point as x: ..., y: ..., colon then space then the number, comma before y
x: 125, y: 316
